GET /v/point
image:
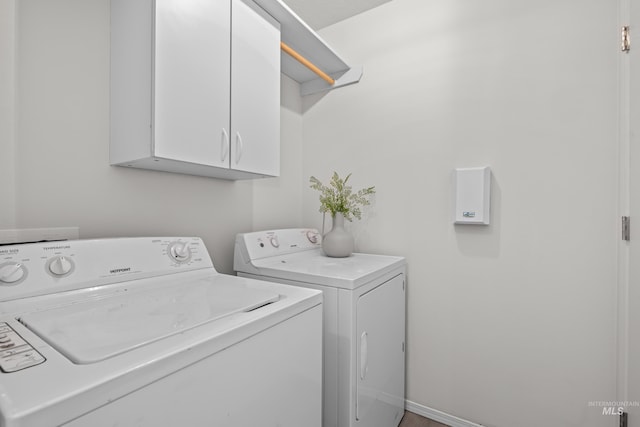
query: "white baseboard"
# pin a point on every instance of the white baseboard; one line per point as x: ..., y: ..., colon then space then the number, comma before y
x: 439, y: 416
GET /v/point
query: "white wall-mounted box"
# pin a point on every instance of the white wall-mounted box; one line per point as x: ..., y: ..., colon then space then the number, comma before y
x: 472, y: 195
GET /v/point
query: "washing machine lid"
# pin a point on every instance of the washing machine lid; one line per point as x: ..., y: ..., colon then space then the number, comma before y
x: 313, y: 267
x: 90, y: 331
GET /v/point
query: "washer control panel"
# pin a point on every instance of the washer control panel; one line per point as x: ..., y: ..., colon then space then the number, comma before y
x: 50, y: 267
x: 15, y: 353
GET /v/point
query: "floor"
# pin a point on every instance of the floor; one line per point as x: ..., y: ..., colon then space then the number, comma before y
x: 412, y: 420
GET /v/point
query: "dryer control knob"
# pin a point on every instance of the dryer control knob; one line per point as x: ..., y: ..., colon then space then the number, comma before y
x: 274, y: 242
x: 60, y: 266
x: 11, y: 272
x: 179, y: 251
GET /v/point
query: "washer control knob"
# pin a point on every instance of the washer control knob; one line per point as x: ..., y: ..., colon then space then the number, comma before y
x: 60, y: 266
x: 312, y: 236
x: 179, y: 251
x: 11, y: 272
x: 274, y: 241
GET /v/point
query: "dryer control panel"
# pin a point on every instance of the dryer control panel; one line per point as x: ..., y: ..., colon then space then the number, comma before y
x: 263, y: 244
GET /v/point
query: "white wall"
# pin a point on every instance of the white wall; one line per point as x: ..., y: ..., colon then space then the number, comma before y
x: 513, y: 324
x: 7, y: 113
x: 63, y: 177
x: 276, y: 202
x: 508, y: 325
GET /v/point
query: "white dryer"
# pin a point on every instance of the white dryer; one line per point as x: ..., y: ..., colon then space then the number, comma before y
x: 364, y: 320
x: 144, y: 332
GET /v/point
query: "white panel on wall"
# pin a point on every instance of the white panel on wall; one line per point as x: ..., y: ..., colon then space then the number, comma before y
x: 38, y: 234
x: 472, y: 195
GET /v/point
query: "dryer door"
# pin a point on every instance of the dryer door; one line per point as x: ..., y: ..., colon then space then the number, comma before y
x: 380, y: 325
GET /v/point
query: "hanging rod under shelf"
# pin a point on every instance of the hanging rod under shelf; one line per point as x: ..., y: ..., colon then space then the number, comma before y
x: 304, y: 61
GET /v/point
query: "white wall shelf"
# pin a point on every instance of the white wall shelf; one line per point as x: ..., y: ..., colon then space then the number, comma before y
x: 297, y: 34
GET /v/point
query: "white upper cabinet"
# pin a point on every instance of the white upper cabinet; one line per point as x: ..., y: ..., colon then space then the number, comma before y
x: 255, y: 99
x: 192, y: 74
x: 194, y: 91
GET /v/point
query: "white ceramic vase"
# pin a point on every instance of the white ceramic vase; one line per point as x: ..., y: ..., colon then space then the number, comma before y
x: 337, y: 243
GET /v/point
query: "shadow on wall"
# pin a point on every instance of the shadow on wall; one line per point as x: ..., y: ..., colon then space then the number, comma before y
x: 483, y: 241
x: 308, y: 101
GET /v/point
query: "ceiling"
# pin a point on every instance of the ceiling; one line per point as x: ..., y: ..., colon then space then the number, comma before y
x: 320, y: 14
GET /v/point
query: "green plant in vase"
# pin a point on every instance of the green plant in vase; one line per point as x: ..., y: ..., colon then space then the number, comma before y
x: 339, y: 199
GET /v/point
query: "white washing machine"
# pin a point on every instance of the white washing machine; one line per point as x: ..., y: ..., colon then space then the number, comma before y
x: 364, y: 320
x: 144, y: 332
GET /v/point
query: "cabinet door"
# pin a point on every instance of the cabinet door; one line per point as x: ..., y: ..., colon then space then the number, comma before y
x: 255, y: 90
x: 380, y: 326
x: 191, y: 87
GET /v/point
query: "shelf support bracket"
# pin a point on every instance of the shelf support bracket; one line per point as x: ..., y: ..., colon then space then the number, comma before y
x: 351, y: 76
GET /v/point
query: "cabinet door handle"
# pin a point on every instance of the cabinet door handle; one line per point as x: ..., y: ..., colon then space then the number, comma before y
x: 364, y: 355
x: 224, y: 145
x: 239, y: 147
